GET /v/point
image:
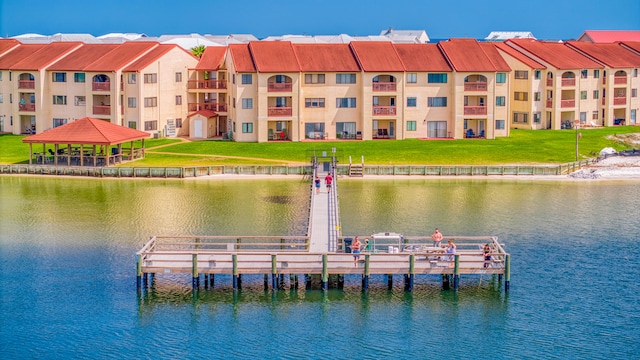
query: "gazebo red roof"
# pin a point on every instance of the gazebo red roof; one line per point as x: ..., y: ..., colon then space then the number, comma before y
x: 205, y: 113
x: 87, y: 131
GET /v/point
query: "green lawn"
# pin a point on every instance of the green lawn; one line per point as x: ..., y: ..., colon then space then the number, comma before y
x: 522, y: 147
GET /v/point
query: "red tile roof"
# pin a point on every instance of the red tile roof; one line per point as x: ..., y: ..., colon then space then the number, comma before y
x: 212, y: 58
x: 377, y: 56
x: 8, y: 44
x: 519, y: 56
x: 325, y: 57
x: 87, y: 131
x: 44, y: 56
x: 633, y: 45
x: 467, y: 55
x: 82, y: 56
x: 422, y: 57
x: 610, y: 54
x: 242, y: 60
x: 121, y: 56
x: 152, y: 56
x: 556, y: 54
x: 205, y: 113
x: 274, y: 56
x: 494, y: 56
x: 19, y: 53
x: 610, y: 36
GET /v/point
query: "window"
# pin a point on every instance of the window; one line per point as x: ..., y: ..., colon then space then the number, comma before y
x: 131, y: 102
x: 634, y: 92
x: 179, y: 123
x: 233, y: 78
x: 633, y: 116
x: 78, y: 77
x: 437, y: 78
x: 346, y: 102
x: 178, y: 77
x: 411, y: 125
x: 314, y: 102
x: 635, y: 74
x: 346, y: 129
x: 151, y: 102
x: 520, y: 117
x: 594, y: 115
x: 500, y: 100
x: 412, y: 78
x: 247, y: 103
x: 1, y: 99
x: 537, y: 74
x: 150, y: 78
x: 412, y: 102
x: 151, y: 125
x: 521, y: 74
x: 583, y: 74
x: 537, y: 117
x: 59, y: 122
x: 131, y: 78
x: 79, y: 101
x: 247, y: 79
x: 0, y: 75
x: 520, y: 96
x: 59, y: 100
x: 536, y: 96
x: 178, y: 99
x: 583, y: 95
x: 596, y: 74
x: 583, y: 116
x: 437, y: 102
x: 499, y: 124
x: 345, y: 78
x: 501, y: 78
x: 59, y: 77
x: 247, y: 128
x: 133, y: 125
x: 314, y: 78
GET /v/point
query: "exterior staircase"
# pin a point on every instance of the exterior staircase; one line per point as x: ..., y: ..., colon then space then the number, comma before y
x: 356, y: 169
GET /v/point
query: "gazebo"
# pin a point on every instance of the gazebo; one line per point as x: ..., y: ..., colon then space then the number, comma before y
x: 86, y: 142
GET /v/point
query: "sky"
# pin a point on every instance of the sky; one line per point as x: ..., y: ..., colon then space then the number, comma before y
x: 442, y: 19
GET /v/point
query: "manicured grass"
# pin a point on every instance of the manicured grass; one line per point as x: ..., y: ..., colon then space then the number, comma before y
x: 522, y: 147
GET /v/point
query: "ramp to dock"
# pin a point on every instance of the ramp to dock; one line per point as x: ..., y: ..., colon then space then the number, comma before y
x: 324, y: 224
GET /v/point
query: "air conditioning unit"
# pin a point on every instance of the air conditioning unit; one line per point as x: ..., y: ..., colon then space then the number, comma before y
x: 156, y: 135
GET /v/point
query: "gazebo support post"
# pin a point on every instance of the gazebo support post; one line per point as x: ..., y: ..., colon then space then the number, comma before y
x: 44, y: 152
x: 30, y: 153
x: 68, y: 154
x: 81, y: 154
x: 55, y: 157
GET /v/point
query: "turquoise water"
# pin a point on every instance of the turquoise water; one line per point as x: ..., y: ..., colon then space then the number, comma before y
x: 67, y: 281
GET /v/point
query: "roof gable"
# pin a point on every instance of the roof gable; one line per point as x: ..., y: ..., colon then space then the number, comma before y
x: 377, y: 56
x: 212, y: 58
x: 119, y: 57
x: 556, y: 54
x: 519, y: 56
x: 422, y: 57
x: 467, y: 55
x: 82, y: 56
x: 241, y: 56
x: 87, y: 131
x: 274, y: 56
x: 610, y: 54
x: 152, y: 56
x: 325, y: 57
x: 44, y: 56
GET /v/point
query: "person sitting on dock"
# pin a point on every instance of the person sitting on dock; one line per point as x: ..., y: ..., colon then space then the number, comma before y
x: 437, y: 238
x: 355, y: 249
x: 487, y: 255
x: 451, y: 250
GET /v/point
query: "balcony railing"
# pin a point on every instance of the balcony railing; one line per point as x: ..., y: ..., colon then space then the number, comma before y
x: 27, y: 107
x: 549, y: 82
x: 619, y: 101
x: 568, y: 103
x: 620, y: 80
x: 549, y: 103
x: 383, y: 110
x: 475, y: 86
x: 384, y: 86
x: 475, y: 110
x: 279, y: 111
x: 213, y: 106
x: 569, y: 82
x: 102, y: 110
x: 101, y: 86
x: 279, y: 87
x: 26, y: 84
x: 207, y: 84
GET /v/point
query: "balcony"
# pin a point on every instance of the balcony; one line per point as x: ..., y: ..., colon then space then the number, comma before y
x: 549, y: 103
x: 384, y: 86
x: 569, y: 82
x: 568, y: 103
x: 279, y: 87
x: 279, y: 111
x: 619, y: 80
x: 475, y: 86
x: 26, y: 107
x: 383, y: 110
x: 475, y: 110
x: 207, y: 84
x: 549, y: 82
x: 213, y: 106
x: 102, y: 110
x: 26, y: 84
x: 619, y: 101
x: 101, y: 86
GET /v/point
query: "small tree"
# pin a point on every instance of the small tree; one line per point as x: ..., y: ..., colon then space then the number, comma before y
x: 197, y: 51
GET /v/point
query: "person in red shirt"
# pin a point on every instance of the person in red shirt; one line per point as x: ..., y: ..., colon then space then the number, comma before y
x: 328, y: 180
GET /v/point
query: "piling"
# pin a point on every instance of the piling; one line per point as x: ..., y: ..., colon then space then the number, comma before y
x: 195, y: 278
x: 274, y: 272
x: 389, y: 281
x: 367, y: 273
x: 507, y: 271
x: 325, y: 272
x: 211, y: 281
x: 138, y: 271
x: 456, y: 272
x: 412, y: 272
x: 266, y: 282
x: 234, y: 259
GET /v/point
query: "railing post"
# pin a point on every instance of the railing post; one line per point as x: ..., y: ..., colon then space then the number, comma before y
x: 195, y: 277
x: 274, y: 272
x: 456, y: 272
x: 325, y: 272
x: 507, y: 272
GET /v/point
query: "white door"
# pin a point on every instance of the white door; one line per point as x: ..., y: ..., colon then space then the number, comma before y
x: 197, y: 128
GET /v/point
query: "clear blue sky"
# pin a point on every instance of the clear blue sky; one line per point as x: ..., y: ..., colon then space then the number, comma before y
x: 547, y: 19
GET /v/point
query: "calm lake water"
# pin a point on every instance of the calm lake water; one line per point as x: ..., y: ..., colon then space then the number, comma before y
x: 67, y: 281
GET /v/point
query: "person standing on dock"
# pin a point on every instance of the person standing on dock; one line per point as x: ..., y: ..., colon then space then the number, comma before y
x: 451, y: 250
x: 355, y: 249
x: 327, y: 180
x: 317, y: 183
x: 487, y: 255
x: 437, y: 238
